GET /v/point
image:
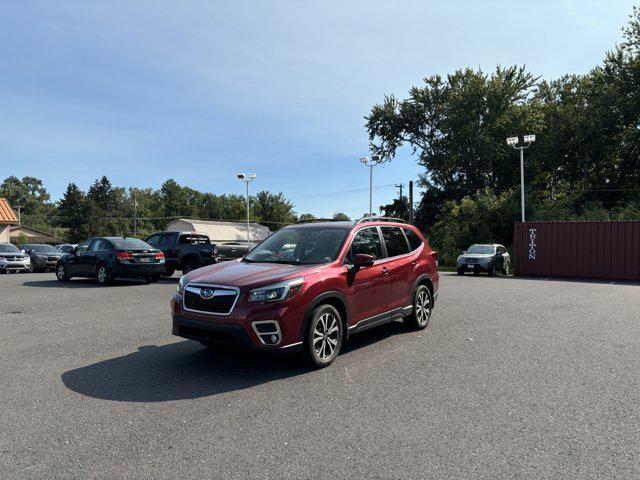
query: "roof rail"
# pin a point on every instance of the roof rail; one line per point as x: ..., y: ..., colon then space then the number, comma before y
x: 312, y: 220
x: 375, y: 218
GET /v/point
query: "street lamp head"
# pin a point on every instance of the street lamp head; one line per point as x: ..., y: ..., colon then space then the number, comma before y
x: 241, y: 176
x: 529, y: 138
x: 376, y: 158
x: 513, y: 141
x: 364, y: 159
x: 251, y: 176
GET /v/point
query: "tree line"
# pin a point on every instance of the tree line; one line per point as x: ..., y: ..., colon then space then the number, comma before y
x: 105, y: 209
x: 584, y: 165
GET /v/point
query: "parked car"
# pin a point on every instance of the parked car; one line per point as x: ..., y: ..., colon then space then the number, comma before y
x: 106, y: 258
x: 43, y: 257
x: 12, y: 259
x: 233, y: 250
x: 184, y: 251
x: 488, y: 258
x: 309, y: 286
x: 66, y: 247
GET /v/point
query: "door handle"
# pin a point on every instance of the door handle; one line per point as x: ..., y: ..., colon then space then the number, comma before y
x: 414, y: 263
x: 385, y: 270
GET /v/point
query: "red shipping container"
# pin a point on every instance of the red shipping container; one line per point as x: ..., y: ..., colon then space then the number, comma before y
x: 605, y: 250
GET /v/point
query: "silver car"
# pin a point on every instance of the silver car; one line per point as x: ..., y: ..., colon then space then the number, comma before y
x: 12, y: 259
x: 481, y: 257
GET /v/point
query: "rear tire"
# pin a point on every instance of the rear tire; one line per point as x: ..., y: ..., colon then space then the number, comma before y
x: 460, y: 271
x: 153, y: 278
x: 102, y: 275
x: 61, y: 274
x: 168, y: 273
x: 422, y: 308
x: 323, y: 338
x: 187, y: 266
x: 505, y: 270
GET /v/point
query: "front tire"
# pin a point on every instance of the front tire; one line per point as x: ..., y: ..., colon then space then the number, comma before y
x: 492, y: 270
x: 324, y: 336
x: 460, y: 271
x: 102, y: 275
x: 422, y: 308
x: 61, y: 274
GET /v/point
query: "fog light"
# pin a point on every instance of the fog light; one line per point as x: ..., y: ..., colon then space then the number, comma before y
x: 274, y: 339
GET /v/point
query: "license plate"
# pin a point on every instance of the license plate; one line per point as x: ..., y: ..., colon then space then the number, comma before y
x: 470, y: 265
x: 144, y: 259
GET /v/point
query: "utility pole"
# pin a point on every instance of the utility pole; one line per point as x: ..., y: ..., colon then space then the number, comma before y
x: 400, y: 187
x: 371, y: 162
x: 411, y: 202
x: 19, y: 207
x: 135, y: 214
x: 247, y: 178
x: 513, y: 141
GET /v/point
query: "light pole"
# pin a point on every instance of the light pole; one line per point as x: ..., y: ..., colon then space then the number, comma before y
x: 371, y: 162
x: 247, y: 178
x: 513, y: 141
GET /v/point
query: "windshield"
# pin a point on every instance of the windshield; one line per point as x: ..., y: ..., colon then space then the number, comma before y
x: 482, y: 249
x: 9, y: 248
x: 44, y: 249
x: 122, y: 243
x: 304, y: 245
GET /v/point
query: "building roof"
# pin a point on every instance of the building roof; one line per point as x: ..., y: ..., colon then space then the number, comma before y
x: 221, y: 231
x: 7, y: 215
x: 33, y: 235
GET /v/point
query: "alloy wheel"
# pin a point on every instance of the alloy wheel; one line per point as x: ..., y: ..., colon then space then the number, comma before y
x: 60, y: 273
x: 102, y: 275
x: 325, y: 336
x: 423, y: 307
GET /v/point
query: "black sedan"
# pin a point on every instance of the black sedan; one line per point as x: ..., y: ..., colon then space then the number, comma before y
x: 106, y: 258
x: 43, y: 257
x: 233, y: 250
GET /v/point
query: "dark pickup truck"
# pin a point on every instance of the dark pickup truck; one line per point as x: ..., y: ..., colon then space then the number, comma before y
x: 184, y: 251
x: 233, y: 250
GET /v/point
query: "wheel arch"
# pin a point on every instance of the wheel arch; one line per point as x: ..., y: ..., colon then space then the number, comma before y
x: 426, y: 280
x: 335, y: 299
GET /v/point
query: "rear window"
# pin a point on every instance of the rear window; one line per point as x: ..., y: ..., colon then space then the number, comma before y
x: 191, y: 239
x: 129, y: 243
x: 414, y: 239
x: 395, y: 241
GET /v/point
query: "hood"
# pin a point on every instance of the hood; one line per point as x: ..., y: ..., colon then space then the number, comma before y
x: 243, y: 274
x: 13, y: 254
x: 477, y: 255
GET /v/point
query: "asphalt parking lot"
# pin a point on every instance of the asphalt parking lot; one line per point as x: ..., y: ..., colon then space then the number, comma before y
x: 513, y: 378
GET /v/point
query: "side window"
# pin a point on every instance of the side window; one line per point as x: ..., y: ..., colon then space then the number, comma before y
x: 97, y: 246
x: 365, y: 241
x: 84, y: 246
x: 165, y: 241
x: 153, y: 240
x: 414, y: 239
x: 395, y: 241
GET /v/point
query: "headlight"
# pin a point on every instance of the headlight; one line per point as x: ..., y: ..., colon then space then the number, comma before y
x: 277, y: 291
x: 3, y: 260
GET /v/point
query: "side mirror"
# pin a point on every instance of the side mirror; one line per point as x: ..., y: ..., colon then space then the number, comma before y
x: 363, y: 260
x: 464, y: 252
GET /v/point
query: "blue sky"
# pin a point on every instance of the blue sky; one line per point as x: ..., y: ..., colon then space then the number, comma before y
x: 197, y: 91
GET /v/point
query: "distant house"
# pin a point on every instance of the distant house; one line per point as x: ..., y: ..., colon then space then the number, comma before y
x: 31, y: 235
x: 221, y: 231
x: 7, y: 219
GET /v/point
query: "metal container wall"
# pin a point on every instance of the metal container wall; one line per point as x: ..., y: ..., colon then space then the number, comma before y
x: 606, y: 250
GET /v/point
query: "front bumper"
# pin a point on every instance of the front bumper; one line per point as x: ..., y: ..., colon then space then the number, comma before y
x: 243, y: 325
x: 15, y: 266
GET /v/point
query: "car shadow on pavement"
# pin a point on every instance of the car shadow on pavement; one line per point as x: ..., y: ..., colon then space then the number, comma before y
x: 187, y: 370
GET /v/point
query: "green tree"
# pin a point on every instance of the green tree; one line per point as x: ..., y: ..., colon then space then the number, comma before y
x: 70, y: 212
x: 341, y: 216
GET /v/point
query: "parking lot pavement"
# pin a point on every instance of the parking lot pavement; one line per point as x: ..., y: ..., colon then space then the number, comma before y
x: 513, y: 378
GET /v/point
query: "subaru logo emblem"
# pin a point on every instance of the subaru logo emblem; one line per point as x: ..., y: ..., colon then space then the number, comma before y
x: 206, y: 293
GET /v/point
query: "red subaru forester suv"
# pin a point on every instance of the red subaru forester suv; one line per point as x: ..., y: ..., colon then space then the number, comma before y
x: 309, y: 286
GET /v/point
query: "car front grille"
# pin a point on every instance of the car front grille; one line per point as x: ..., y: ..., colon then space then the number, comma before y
x: 220, y: 302
x: 472, y: 260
